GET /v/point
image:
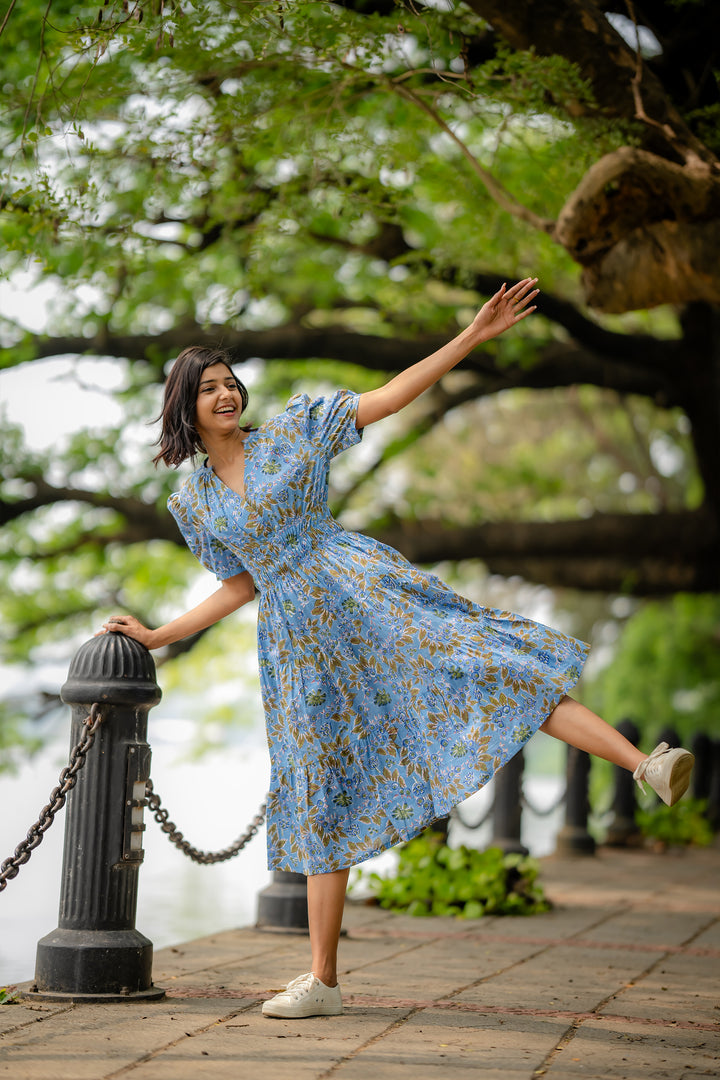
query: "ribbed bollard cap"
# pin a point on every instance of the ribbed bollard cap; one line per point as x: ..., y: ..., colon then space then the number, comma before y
x: 112, y: 668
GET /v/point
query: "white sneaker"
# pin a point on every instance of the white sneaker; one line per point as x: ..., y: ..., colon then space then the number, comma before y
x: 305, y: 996
x: 666, y: 771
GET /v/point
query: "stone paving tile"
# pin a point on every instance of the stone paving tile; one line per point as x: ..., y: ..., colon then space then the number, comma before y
x: 402, y: 1070
x: 634, y: 928
x: 399, y: 925
x: 178, y: 961
x: 605, y: 1050
x: 18, y: 1015
x: 271, y: 970
x: 250, y: 1044
x: 433, y: 1042
x: 562, y: 977
x: 561, y: 922
x: 687, y: 986
x: 431, y: 970
x: 710, y: 938
x: 89, y: 1042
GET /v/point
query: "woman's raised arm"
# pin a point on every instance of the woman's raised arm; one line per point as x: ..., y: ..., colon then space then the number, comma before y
x: 503, y: 310
x: 232, y: 594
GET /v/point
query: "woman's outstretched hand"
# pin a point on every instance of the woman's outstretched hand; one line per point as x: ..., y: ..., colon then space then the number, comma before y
x: 505, y: 308
x: 131, y: 627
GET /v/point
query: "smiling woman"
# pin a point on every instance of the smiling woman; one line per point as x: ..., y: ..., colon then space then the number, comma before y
x: 188, y: 401
x: 388, y: 698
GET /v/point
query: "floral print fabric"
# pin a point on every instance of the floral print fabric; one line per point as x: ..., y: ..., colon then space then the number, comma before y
x: 388, y: 697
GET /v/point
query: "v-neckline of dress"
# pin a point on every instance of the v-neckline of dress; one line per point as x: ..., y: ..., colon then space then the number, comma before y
x: 246, y: 463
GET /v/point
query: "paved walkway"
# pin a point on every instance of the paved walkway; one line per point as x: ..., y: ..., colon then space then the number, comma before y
x: 619, y: 982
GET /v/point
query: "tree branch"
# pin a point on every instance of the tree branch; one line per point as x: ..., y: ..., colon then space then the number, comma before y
x: 144, y: 520
x: 639, y: 553
x: 494, y: 188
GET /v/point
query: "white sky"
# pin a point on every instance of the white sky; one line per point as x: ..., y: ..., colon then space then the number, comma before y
x: 48, y: 397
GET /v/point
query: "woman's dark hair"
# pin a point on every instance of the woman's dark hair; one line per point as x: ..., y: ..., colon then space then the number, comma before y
x: 178, y: 438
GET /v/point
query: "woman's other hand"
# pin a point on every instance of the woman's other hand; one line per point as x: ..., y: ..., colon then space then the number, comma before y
x: 131, y: 627
x: 505, y: 308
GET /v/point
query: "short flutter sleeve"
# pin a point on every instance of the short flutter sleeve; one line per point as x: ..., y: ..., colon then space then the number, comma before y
x: 212, y: 553
x: 328, y: 421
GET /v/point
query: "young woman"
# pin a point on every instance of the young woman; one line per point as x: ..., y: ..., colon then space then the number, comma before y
x: 388, y: 698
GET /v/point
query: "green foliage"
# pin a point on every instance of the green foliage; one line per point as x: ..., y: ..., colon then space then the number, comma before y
x: 9, y: 995
x: 434, y: 879
x: 683, y: 824
x: 548, y: 455
x: 14, y: 738
x: 666, y: 668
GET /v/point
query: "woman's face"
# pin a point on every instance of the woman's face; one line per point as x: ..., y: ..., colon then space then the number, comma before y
x: 219, y: 404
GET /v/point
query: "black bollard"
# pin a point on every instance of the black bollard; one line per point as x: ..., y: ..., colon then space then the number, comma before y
x: 622, y: 830
x: 96, y: 954
x: 507, y: 806
x: 283, y: 904
x: 701, y: 779
x: 574, y: 838
x: 713, y: 810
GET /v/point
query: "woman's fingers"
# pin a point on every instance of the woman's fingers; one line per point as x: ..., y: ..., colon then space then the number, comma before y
x: 522, y: 314
x: 520, y: 288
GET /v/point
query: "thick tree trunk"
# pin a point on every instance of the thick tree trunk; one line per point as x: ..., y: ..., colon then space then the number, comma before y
x: 646, y: 231
x: 579, y: 31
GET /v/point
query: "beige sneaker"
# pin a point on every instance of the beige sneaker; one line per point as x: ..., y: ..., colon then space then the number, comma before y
x: 305, y: 996
x: 666, y: 771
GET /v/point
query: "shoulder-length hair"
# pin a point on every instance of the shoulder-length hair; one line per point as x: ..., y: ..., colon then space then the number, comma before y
x: 178, y: 439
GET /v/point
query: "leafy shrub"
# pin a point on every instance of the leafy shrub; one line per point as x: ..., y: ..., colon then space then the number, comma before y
x: 434, y: 879
x: 685, y: 823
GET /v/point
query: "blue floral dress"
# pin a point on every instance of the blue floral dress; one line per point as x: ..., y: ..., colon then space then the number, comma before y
x: 388, y: 697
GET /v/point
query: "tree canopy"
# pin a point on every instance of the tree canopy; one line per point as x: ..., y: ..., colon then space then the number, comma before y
x: 330, y: 189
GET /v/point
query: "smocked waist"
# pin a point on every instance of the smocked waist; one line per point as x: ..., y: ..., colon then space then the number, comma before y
x: 286, y: 550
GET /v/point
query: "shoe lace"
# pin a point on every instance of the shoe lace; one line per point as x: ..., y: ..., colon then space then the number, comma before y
x: 299, y: 985
x: 642, y: 768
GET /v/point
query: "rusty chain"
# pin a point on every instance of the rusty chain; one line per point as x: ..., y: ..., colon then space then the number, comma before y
x: 10, y: 868
x: 176, y: 837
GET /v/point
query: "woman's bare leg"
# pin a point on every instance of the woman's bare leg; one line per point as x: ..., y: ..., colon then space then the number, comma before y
x: 326, y: 899
x: 575, y: 724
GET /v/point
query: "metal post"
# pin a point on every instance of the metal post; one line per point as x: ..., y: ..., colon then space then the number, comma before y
x: 701, y: 779
x: 283, y: 904
x: 96, y: 954
x: 507, y: 806
x: 622, y: 831
x: 713, y: 810
x: 574, y: 838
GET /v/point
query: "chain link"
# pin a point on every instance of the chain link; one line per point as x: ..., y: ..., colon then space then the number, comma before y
x: 176, y: 837
x: 547, y: 810
x: 10, y: 868
x: 456, y: 813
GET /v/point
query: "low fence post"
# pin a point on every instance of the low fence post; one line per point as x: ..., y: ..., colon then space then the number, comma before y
x: 713, y: 796
x: 96, y: 953
x: 507, y: 806
x: 574, y: 838
x: 622, y: 830
x: 283, y: 904
x: 701, y: 779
